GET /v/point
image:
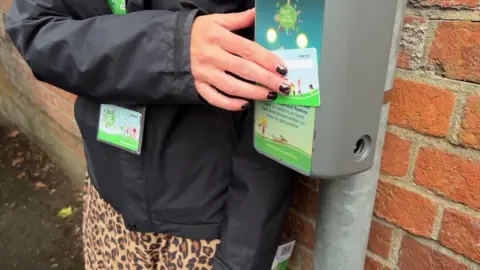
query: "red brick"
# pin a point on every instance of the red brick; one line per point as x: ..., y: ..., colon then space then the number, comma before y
x: 59, y: 103
x: 372, y: 264
x: 53, y: 99
x: 446, y: 3
x: 301, y: 229
x: 396, y: 154
x: 403, y: 60
x: 470, y: 133
x: 295, y: 258
x: 450, y: 175
x: 66, y: 107
x: 41, y: 96
x: 380, y: 239
x: 67, y: 122
x: 307, y: 262
x: 64, y: 94
x: 414, y: 255
x: 411, y: 49
x: 455, y: 50
x: 308, y: 181
x: 56, y: 107
x: 305, y: 200
x: 64, y: 137
x: 301, y: 258
x: 409, y: 210
x: 422, y: 107
x: 79, y: 151
x: 461, y: 233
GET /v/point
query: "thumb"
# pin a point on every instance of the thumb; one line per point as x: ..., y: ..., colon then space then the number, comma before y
x: 236, y: 21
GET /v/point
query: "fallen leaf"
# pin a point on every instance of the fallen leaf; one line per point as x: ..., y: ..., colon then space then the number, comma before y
x: 65, y: 212
x: 39, y: 185
x: 17, y: 161
x: 13, y: 134
x: 20, y: 175
x: 47, y: 167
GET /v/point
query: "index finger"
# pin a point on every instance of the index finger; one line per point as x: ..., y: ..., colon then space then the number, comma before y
x: 254, y: 52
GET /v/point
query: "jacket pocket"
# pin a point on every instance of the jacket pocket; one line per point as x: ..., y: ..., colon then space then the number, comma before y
x: 194, y: 167
x: 117, y: 174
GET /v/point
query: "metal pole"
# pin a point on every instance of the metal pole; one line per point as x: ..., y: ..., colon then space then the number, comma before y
x: 346, y: 204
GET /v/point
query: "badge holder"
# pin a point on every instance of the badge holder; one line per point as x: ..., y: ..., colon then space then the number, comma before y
x: 121, y: 127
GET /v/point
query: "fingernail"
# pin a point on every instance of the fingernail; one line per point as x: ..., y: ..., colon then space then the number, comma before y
x: 282, y: 70
x: 245, y: 106
x: 285, y: 88
x: 272, y: 95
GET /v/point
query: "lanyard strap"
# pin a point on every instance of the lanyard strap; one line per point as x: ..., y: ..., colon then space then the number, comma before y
x: 118, y: 7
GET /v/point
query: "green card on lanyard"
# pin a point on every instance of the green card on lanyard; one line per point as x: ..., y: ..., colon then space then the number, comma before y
x: 118, y: 126
x: 118, y: 7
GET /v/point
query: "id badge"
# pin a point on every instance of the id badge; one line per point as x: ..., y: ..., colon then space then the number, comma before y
x: 121, y: 127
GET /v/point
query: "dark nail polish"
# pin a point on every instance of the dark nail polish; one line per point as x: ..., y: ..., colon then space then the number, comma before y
x: 282, y: 70
x: 272, y: 95
x: 285, y: 88
x: 245, y: 106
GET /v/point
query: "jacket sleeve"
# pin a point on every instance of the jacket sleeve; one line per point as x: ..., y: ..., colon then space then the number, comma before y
x: 259, y: 197
x: 139, y: 58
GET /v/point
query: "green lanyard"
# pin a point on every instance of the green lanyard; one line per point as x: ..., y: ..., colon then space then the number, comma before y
x: 118, y: 7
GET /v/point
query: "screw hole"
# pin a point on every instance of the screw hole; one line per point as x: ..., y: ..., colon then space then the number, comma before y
x: 362, y: 148
x: 359, y: 147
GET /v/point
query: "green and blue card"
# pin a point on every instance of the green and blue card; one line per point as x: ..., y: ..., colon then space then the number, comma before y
x: 285, y: 127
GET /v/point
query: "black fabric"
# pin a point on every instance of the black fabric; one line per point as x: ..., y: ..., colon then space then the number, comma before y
x: 198, y: 175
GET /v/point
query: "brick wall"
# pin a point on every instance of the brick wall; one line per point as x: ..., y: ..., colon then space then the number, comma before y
x: 44, y: 112
x: 427, y: 209
x: 427, y: 213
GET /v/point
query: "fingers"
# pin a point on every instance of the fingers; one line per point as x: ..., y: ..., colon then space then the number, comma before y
x: 212, y: 96
x: 236, y: 87
x: 215, y: 50
x: 252, y: 51
x: 236, y: 21
x: 253, y: 72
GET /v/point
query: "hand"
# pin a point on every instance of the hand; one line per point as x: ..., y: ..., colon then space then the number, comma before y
x: 215, y: 50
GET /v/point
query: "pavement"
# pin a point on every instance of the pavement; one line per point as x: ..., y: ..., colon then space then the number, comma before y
x: 33, y: 190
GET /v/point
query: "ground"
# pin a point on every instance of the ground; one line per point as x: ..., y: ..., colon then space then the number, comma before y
x: 32, y: 192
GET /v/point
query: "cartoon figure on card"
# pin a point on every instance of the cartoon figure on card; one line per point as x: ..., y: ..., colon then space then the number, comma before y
x: 292, y: 89
x: 134, y: 133
x: 110, y: 120
x: 299, y: 82
x: 263, y: 124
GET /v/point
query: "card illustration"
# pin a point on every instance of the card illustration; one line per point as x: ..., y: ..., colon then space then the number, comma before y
x: 120, y: 127
x: 303, y: 77
x: 284, y: 128
x: 293, y: 30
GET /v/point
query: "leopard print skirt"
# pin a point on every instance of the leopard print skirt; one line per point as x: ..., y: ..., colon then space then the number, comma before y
x: 109, y: 245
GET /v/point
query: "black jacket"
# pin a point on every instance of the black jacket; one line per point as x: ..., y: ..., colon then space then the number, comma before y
x: 198, y: 175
